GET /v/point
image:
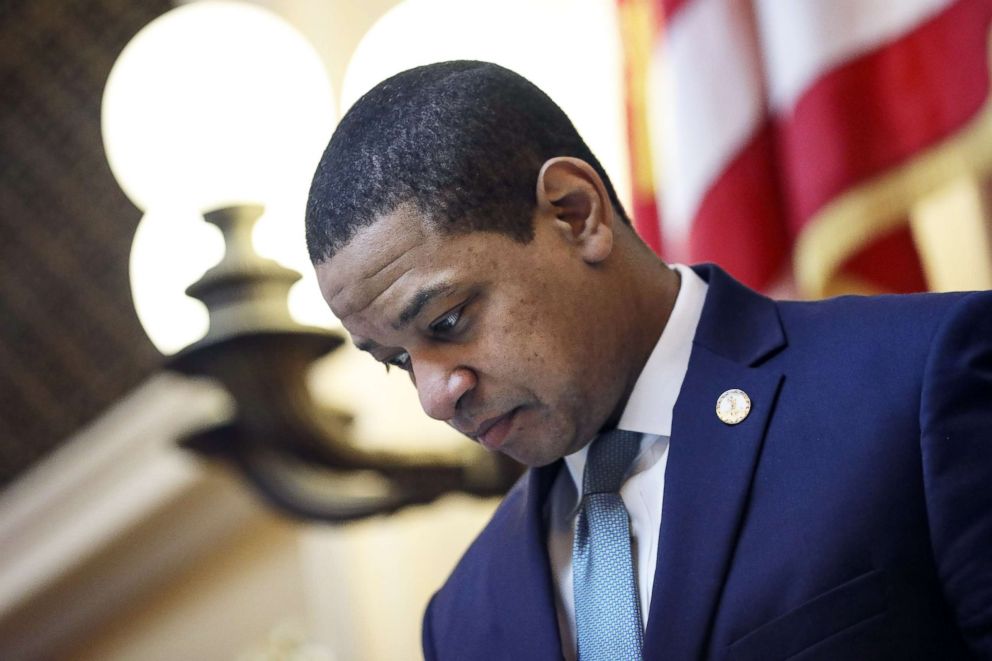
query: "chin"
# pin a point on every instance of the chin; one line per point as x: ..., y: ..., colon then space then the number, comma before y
x: 535, y: 454
x: 535, y: 462
x: 522, y: 452
x: 541, y: 439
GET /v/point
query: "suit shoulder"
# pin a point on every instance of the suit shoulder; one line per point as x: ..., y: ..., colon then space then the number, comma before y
x: 964, y: 336
x: 919, y: 308
x: 504, y: 567
x: 506, y: 527
x: 903, y: 319
x: 884, y: 340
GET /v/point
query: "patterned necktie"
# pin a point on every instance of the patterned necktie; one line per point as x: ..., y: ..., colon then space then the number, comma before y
x: 607, y: 606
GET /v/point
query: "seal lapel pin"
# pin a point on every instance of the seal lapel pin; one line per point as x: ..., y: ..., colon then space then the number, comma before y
x: 733, y: 406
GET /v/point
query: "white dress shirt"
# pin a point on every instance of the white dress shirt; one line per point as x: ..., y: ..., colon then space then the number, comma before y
x: 649, y: 411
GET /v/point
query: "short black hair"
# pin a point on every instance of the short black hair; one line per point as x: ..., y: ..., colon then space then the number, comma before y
x: 462, y: 141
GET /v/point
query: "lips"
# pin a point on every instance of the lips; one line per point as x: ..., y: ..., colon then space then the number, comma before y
x: 493, y: 431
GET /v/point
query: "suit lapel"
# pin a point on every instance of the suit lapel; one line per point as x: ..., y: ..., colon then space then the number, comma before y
x: 711, y: 464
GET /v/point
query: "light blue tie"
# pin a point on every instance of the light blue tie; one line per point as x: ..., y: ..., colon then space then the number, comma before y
x: 607, y: 607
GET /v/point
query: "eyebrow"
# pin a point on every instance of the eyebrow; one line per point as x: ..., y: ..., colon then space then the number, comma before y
x: 423, y: 296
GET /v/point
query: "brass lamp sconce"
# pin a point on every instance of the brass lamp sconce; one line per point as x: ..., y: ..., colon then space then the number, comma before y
x: 295, y: 453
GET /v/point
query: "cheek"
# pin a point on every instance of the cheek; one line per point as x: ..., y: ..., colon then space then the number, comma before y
x: 536, y: 336
x: 515, y: 354
x: 546, y: 356
x: 518, y: 349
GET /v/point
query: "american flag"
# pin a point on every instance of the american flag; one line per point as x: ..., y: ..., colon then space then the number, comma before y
x: 798, y: 141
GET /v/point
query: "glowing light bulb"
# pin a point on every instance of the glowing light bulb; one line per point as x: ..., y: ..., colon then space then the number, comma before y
x: 211, y: 104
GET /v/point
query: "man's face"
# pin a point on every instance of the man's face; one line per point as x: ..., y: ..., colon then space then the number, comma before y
x: 500, y: 338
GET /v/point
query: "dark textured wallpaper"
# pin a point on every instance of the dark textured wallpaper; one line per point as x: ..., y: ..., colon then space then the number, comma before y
x: 70, y: 341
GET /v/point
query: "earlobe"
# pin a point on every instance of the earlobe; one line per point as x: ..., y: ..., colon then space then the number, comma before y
x: 572, y: 196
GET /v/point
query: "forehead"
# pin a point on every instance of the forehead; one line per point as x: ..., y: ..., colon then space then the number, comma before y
x: 396, y: 254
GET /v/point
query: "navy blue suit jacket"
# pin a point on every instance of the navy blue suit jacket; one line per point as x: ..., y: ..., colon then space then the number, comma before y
x: 848, y: 517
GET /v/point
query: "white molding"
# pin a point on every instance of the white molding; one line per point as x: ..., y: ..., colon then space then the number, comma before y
x: 121, y: 472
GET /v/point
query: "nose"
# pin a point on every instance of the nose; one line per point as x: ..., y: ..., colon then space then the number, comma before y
x: 440, y: 387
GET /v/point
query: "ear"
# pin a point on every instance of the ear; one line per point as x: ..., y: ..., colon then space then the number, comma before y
x: 572, y: 196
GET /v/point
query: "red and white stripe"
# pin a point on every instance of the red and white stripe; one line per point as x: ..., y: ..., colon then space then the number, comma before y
x: 765, y: 110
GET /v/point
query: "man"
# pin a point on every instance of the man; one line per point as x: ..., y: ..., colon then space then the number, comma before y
x: 786, y: 480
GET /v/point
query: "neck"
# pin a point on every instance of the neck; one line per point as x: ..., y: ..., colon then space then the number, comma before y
x: 650, y: 288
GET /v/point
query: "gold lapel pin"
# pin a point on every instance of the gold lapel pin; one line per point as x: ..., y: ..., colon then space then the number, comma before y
x: 733, y: 406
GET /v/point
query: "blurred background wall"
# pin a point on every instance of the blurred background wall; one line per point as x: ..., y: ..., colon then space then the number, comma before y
x: 829, y: 148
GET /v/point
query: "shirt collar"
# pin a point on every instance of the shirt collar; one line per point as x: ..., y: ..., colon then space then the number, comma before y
x: 652, y: 401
